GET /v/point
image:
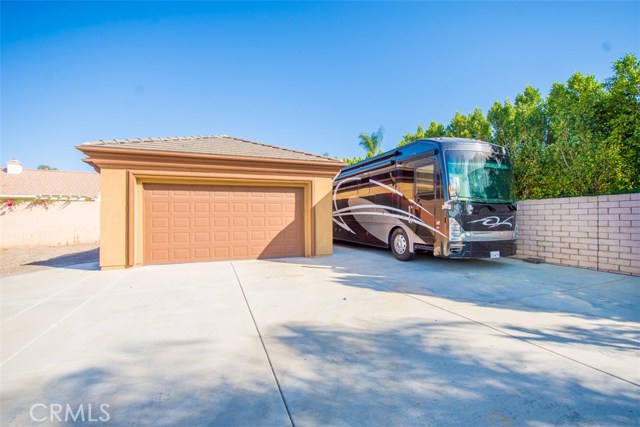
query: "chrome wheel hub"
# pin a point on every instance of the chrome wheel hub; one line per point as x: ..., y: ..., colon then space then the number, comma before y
x: 400, y: 244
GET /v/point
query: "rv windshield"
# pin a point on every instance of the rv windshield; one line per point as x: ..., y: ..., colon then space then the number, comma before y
x: 484, y: 176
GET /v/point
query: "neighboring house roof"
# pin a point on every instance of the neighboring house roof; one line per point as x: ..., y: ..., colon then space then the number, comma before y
x: 37, y: 183
x: 217, y: 145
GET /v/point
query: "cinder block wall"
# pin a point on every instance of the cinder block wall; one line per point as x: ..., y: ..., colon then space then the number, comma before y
x: 57, y: 224
x: 600, y: 233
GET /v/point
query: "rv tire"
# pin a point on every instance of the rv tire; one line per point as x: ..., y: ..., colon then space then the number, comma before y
x: 400, y: 245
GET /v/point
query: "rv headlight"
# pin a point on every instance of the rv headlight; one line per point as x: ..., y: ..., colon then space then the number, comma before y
x: 455, y: 231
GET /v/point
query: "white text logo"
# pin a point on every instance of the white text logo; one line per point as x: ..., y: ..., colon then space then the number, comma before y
x: 52, y: 412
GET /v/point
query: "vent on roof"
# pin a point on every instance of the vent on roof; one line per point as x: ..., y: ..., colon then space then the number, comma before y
x: 14, y: 167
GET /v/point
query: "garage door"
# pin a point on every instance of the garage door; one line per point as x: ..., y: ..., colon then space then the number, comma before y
x: 188, y: 223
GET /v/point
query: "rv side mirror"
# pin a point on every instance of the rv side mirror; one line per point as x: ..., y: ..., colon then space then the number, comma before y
x: 454, y: 187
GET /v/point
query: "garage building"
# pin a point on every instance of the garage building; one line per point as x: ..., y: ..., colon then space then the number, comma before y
x: 206, y: 198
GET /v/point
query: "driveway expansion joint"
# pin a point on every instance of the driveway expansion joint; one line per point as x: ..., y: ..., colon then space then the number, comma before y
x: 264, y: 347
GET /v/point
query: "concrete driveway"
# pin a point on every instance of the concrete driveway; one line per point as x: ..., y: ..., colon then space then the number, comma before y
x: 357, y: 339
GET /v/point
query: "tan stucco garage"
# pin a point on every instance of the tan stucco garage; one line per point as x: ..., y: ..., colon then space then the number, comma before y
x: 170, y: 200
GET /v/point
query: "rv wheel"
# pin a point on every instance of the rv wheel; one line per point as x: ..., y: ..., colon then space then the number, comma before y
x: 400, y: 245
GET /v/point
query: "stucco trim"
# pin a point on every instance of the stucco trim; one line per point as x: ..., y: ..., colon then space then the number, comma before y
x: 113, y: 158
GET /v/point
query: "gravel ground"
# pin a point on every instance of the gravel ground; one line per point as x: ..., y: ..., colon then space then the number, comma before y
x: 28, y: 259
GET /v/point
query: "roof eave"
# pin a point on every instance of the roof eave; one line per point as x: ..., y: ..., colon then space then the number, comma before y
x: 125, y: 158
x: 87, y: 149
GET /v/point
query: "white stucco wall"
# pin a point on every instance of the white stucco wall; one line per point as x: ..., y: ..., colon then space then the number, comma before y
x: 60, y: 223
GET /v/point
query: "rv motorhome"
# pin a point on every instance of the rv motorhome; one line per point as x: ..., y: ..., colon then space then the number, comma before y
x: 451, y: 196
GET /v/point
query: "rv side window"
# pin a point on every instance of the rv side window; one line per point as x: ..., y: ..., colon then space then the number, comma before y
x: 424, y: 175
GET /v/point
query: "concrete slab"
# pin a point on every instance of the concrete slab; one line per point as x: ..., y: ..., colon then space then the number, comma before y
x: 354, y: 339
x: 349, y: 349
x: 160, y: 345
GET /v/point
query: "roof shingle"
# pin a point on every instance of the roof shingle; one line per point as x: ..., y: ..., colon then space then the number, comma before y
x: 31, y: 183
x: 221, y: 145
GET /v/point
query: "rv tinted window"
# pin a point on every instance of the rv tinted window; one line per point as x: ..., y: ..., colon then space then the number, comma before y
x: 484, y: 176
x: 424, y: 180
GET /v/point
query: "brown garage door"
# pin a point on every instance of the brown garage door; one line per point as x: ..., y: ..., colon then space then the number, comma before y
x: 187, y: 223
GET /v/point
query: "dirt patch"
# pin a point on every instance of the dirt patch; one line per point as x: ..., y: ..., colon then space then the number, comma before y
x: 27, y: 259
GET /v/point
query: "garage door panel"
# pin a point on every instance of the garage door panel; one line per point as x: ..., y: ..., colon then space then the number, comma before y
x: 180, y: 207
x: 180, y: 222
x: 240, y: 237
x: 241, y: 221
x: 160, y: 255
x: 257, y: 221
x: 221, y: 207
x: 201, y: 207
x: 202, y: 253
x: 221, y: 253
x: 159, y: 223
x: 221, y: 237
x: 159, y: 238
x: 220, y: 221
x: 200, y: 223
x: 275, y: 208
x: 239, y: 207
x: 240, y: 251
x: 160, y: 207
x: 258, y: 236
x: 201, y: 237
x: 182, y: 254
x: 180, y: 238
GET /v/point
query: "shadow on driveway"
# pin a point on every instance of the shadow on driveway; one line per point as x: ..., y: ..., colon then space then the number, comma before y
x: 78, y: 260
x: 409, y: 375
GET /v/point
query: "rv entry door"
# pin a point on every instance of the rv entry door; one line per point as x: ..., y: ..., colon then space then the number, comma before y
x: 425, y: 197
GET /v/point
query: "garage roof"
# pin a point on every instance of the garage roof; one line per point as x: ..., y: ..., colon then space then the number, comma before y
x: 222, y: 145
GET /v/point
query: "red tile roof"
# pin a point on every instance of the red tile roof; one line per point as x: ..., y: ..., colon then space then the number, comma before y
x: 31, y: 183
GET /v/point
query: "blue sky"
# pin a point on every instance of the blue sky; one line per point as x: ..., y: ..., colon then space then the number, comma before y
x: 305, y: 75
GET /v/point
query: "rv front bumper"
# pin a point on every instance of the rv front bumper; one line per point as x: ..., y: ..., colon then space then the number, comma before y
x: 488, y: 236
x: 481, y: 249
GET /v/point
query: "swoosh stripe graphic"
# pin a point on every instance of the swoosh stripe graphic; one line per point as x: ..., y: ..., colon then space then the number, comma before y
x: 393, y: 190
x: 372, y: 206
x: 420, y: 223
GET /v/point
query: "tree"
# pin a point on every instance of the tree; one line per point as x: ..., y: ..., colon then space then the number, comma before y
x: 475, y: 126
x: 435, y: 130
x: 622, y: 115
x: 46, y: 168
x: 352, y: 160
x: 529, y: 133
x: 582, y: 139
x: 502, y: 121
x: 371, y: 143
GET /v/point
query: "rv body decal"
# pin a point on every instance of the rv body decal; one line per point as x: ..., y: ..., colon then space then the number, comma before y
x: 370, y: 209
x: 493, y: 221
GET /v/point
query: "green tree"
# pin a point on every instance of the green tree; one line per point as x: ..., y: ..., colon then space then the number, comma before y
x: 372, y: 143
x: 502, y: 120
x: 621, y: 107
x: 46, y: 168
x: 352, y: 160
x: 434, y: 130
x: 582, y: 139
x: 474, y: 125
x: 522, y: 128
x: 529, y: 132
